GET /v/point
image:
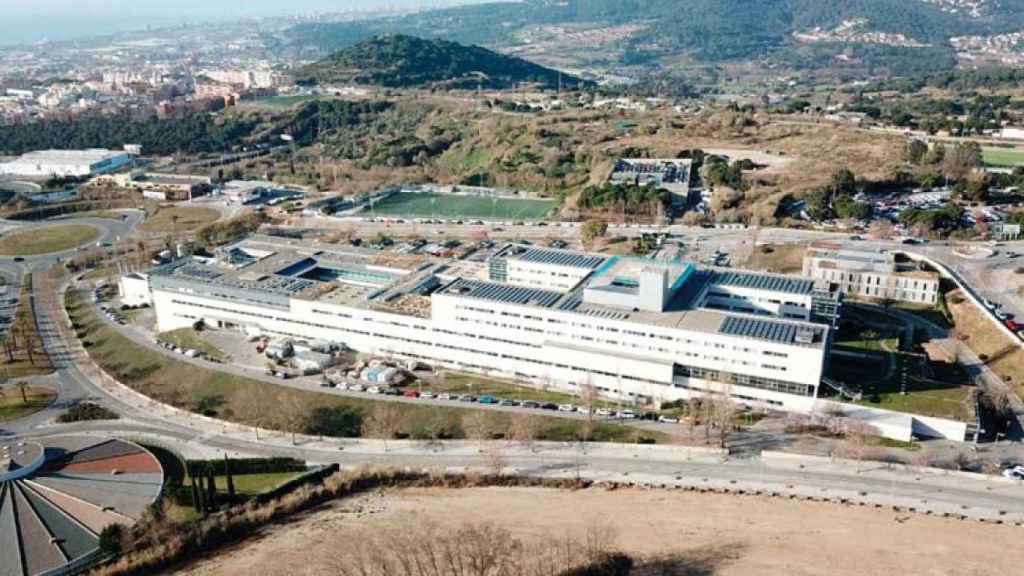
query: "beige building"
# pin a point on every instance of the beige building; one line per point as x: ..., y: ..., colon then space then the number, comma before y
x: 871, y: 274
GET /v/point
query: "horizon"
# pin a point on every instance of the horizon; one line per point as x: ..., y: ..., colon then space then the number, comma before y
x: 31, y: 21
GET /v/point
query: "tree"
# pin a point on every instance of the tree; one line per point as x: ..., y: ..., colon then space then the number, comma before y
x: 253, y: 411
x: 961, y: 160
x: 592, y: 230
x: 230, y: 477
x: 294, y: 411
x: 479, y: 425
x: 23, y: 388
x: 723, y: 415
x: 973, y: 188
x: 856, y: 439
x: 882, y: 229
x: 384, y: 422
x: 915, y: 150
x: 112, y: 539
x: 527, y: 430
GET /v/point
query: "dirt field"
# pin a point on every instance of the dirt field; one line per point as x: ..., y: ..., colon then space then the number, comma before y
x: 721, y: 535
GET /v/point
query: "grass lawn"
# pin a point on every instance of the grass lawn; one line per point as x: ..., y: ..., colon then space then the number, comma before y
x: 189, y: 338
x: 881, y: 379
x: 48, y: 239
x: 778, y: 258
x: 456, y: 206
x: 996, y: 156
x: 944, y: 396
x: 12, y: 407
x: 252, y: 484
x: 179, y: 219
x: 249, y: 401
x: 485, y: 386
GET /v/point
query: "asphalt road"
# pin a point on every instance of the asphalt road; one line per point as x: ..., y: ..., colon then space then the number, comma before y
x: 873, y: 481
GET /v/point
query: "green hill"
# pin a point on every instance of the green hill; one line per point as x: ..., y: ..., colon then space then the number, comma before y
x: 709, y: 31
x: 400, y: 61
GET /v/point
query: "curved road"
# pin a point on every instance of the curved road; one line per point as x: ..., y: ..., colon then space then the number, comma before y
x: 870, y: 483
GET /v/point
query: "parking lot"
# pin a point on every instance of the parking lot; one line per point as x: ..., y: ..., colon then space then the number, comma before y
x: 8, y: 305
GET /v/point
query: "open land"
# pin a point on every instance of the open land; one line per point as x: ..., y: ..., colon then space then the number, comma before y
x: 712, y: 533
x: 46, y: 240
x: 179, y: 219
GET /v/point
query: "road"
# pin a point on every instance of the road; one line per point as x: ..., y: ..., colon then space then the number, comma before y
x: 74, y: 381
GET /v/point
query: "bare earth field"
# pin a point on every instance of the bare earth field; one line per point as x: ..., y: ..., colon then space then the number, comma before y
x: 725, y: 535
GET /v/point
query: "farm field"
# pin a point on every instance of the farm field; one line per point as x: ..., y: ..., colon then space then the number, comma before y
x: 456, y: 206
x: 1003, y: 156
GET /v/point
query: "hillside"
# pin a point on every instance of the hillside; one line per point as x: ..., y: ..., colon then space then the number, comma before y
x: 908, y: 35
x: 400, y: 61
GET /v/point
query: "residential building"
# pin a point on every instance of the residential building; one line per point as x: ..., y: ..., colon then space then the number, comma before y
x: 871, y: 274
x: 635, y: 329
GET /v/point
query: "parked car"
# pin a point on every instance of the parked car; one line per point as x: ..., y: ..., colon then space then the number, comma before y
x: 391, y: 392
x: 488, y: 400
x: 668, y: 420
x: 427, y: 394
x: 508, y: 402
x: 1015, y: 473
x: 356, y: 387
x: 373, y: 389
x: 603, y: 412
x: 549, y: 406
x: 626, y: 415
x: 444, y: 396
x: 467, y: 398
x: 530, y: 404
x: 566, y: 408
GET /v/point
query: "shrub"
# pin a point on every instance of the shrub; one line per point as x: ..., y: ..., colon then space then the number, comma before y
x: 86, y: 411
x: 335, y: 421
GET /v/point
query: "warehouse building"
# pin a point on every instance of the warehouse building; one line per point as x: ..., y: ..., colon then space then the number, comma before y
x: 65, y: 163
x: 870, y: 274
x: 635, y: 329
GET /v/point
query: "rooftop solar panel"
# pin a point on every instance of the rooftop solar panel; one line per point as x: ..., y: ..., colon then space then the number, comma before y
x: 560, y: 258
x: 760, y: 329
x: 503, y: 293
x: 763, y: 282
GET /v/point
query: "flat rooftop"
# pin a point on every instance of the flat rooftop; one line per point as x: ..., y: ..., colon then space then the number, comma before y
x: 568, y: 258
x: 354, y: 277
x: 91, y: 156
x: 762, y: 281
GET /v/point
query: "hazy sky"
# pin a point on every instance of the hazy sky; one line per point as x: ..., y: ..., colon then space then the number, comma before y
x: 31, y: 20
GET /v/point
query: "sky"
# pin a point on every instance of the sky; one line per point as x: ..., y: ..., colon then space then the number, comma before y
x: 34, y: 20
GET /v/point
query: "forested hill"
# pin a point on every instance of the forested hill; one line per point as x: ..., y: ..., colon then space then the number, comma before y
x: 710, y: 30
x: 400, y: 61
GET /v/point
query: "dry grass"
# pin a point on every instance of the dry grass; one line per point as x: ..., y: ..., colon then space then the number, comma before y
x: 779, y: 258
x: 1005, y: 357
x: 178, y: 219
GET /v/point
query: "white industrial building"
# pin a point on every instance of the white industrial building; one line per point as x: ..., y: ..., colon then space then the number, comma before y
x: 870, y: 274
x: 635, y: 329
x: 63, y: 163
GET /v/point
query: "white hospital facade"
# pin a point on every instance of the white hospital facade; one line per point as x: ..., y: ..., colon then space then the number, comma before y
x: 635, y: 329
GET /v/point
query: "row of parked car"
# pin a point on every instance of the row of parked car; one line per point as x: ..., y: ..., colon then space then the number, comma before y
x: 189, y: 352
x: 489, y: 400
x: 113, y: 315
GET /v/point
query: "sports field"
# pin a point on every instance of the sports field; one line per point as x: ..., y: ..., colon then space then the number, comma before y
x: 455, y: 206
x: 1003, y: 156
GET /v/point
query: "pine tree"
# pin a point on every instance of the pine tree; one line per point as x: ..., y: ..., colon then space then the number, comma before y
x: 231, y: 480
